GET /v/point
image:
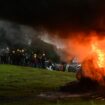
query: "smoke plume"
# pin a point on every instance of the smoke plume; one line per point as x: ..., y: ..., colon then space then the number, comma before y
x: 70, y: 21
x: 15, y: 35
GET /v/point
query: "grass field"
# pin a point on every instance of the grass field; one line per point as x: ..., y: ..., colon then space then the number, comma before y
x: 22, y: 85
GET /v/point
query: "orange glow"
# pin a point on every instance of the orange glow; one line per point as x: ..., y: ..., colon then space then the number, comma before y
x: 100, y: 55
x: 90, y: 51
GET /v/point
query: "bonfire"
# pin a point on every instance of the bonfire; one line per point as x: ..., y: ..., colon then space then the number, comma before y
x: 91, y: 76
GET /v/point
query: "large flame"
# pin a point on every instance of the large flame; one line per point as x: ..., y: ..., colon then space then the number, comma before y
x: 91, y: 53
x: 99, y: 55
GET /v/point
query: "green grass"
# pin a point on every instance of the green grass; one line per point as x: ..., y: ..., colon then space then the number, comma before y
x: 20, y: 86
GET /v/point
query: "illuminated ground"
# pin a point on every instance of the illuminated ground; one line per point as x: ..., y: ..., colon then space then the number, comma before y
x: 23, y: 85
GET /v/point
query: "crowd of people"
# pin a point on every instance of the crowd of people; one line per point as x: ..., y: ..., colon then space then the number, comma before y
x: 37, y: 60
x: 23, y: 58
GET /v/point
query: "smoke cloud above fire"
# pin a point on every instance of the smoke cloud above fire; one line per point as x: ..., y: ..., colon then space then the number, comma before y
x: 61, y: 19
x: 70, y: 21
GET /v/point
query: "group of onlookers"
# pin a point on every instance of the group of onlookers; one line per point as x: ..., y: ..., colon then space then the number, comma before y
x: 24, y: 58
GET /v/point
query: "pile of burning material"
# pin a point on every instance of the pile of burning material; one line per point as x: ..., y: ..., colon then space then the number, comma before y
x: 91, y: 76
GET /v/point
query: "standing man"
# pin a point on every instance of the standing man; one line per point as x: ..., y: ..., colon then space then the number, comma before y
x: 43, y: 59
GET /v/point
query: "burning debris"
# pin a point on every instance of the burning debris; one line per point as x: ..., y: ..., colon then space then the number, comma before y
x: 94, y: 64
x: 91, y: 54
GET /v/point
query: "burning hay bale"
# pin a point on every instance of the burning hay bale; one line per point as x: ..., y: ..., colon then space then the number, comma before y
x: 91, y: 76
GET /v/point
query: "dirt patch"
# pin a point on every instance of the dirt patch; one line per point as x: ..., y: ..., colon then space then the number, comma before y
x: 85, y: 89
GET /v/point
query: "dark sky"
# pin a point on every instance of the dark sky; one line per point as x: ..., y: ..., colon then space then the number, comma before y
x: 57, y: 15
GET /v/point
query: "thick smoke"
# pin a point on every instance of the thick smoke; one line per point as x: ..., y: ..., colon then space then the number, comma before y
x: 14, y: 35
x: 71, y: 21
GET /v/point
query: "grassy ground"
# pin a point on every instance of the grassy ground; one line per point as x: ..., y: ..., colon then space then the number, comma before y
x: 21, y: 85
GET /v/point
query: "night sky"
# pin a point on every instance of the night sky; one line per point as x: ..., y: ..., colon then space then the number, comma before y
x: 61, y: 16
